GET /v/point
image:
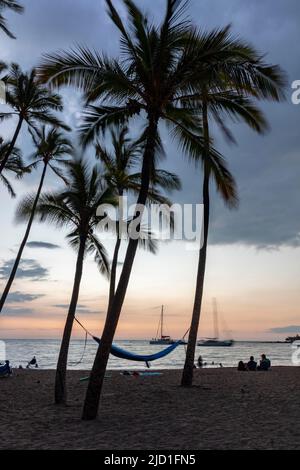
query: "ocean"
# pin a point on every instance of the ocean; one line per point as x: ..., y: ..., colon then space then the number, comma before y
x: 19, y: 352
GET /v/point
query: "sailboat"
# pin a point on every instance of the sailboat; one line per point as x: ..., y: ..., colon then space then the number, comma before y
x: 162, y: 339
x: 216, y: 342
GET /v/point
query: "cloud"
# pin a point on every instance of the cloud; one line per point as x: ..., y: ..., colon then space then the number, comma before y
x: 48, y: 246
x: 267, y: 169
x: 67, y: 306
x: 28, y: 269
x: 18, y: 297
x: 286, y: 329
x: 80, y: 308
x: 17, y: 312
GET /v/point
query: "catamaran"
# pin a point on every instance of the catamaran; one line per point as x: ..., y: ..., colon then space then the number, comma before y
x: 215, y: 342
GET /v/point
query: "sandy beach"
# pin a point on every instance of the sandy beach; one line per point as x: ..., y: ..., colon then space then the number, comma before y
x: 225, y: 409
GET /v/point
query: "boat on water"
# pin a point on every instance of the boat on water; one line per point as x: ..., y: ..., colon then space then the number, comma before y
x: 215, y: 341
x: 160, y: 337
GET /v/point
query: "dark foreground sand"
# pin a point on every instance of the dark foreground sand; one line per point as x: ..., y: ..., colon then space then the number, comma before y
x: 225, y: 409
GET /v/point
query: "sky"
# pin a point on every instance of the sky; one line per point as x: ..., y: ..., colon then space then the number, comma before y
x: 253, y: 266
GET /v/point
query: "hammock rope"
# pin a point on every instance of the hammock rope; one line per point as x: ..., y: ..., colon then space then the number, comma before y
x: 74, y: 364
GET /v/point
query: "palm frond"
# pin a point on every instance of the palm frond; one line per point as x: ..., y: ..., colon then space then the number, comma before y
x: 238, y: 108
x: 100, y: 254
x: 12, y: 5
x: 79, y: 68
x: 224, y: 180
x: 8, y: 185
x: 97, y: 118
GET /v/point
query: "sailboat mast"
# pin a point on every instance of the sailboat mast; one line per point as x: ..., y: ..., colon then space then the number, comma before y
x: 161, y: 321
x: 215, y: 315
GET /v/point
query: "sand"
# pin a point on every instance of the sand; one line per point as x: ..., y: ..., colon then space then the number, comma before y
x: 226, y: 409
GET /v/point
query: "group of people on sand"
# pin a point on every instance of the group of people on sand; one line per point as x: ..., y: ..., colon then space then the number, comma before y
x: 31, y: 364
x: 252, y: 365
x: 264, y: 364
x: 201, y: 363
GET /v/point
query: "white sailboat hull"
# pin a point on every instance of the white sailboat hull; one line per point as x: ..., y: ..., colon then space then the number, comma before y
x: 162, y: 341
x: 216, y: 343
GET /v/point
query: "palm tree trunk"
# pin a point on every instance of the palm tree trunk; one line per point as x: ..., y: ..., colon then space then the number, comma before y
x: 12, y: 144
x: 93, y: 394
x: 113, y: 271
x: 61, y: 368
x: 187, y: 376
x: 114, y: 265
x: 24, y: 241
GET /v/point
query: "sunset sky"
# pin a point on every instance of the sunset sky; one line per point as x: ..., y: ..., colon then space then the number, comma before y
x: 253, y: 266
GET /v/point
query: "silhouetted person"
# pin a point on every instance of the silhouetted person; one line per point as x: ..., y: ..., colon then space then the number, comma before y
x: 241, y: 366
x: 200, y: 362
x: 5, y: 370
x: 252, y: 365
x: 265, y: 363
x: 33, y: 363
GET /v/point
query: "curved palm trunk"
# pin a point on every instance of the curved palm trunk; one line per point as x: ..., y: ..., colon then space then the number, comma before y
x: 114, y: 265
x: 91, y: 404
x: 187, y: 376
x: 12, y: 144
x: 113, y: 271
x: 24, y: 241
x: 61, y: 368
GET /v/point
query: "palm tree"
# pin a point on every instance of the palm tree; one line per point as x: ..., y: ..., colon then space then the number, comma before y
x: 158, y: 66
x: 224, y: 92
x: 119, y: 163
x: 30, y: 102
x: 14, y: 165
x: 75, y: 208
x: 13, y: 5
x: 51, y: 147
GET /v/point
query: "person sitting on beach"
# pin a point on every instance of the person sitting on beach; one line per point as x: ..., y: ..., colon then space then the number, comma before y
x: 33, y: 362
x: 241, y: 366
x: 200, y: 362
x: 265, y: 363
x: 252, y: 365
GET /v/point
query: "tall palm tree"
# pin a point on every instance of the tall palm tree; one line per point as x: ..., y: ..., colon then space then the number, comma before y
x: 74, y: 208
x: 30, y: 102
x: 157, y: 67
x: 14, y: 165
x: 224, y: 92
x: 119, y: 164
x: 51, y: 148
x: 13, y: 5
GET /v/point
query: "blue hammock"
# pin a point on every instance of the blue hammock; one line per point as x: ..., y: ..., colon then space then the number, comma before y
x: 122, y: 354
